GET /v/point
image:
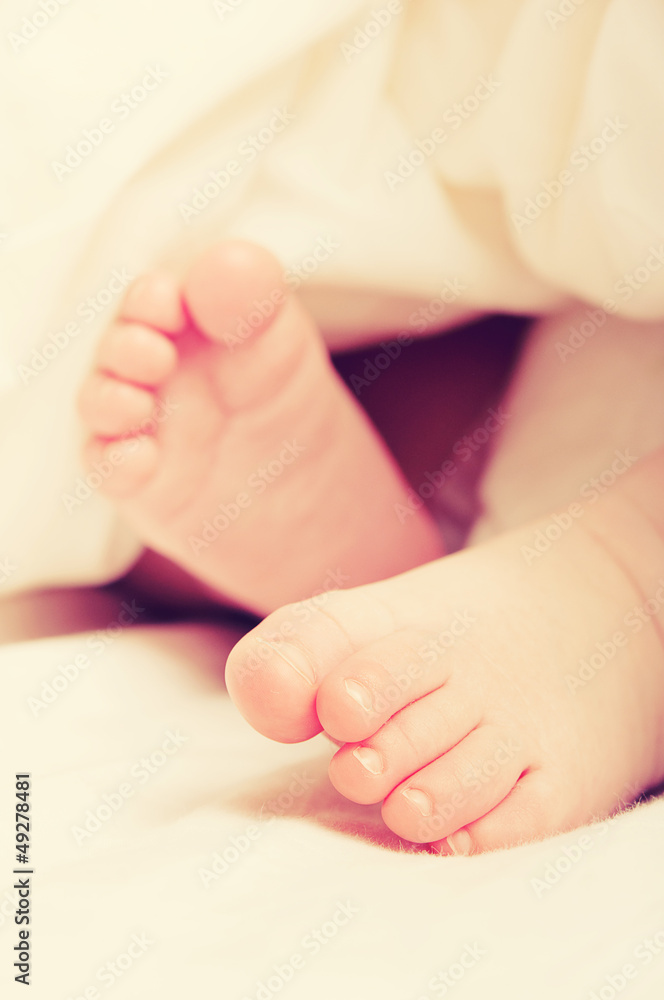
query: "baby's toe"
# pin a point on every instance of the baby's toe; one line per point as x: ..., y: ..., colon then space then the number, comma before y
x: 112, y: 408
x: 525, y: 814
x: 457, y: 788
x: 155, y: 299
x: 420, y: 733
x: 137, y: 353
x: 227, y: 284
x: 274, y: 672
x: 121, y: 467
x: 363, y: 692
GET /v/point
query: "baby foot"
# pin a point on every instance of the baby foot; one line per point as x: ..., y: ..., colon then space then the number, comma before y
x: 490, y: 697
x: 236, y: 450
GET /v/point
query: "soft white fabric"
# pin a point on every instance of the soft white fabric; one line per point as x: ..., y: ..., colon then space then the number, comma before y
x: 219, y: 936
x: 363, y: 87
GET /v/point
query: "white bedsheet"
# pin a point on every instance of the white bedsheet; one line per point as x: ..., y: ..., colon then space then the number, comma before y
x: 391, y: 923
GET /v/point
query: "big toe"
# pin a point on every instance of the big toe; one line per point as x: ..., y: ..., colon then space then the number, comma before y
x: 234, y: 289
x: 274, y: 673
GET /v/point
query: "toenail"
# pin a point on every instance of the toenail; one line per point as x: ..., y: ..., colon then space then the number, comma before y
x: 460, y: 843
x: 294, y: 657
x: 360, y: 694
x: 420, y: 800
x: 369, y: 759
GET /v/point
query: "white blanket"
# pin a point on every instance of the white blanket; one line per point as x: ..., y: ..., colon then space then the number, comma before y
x: 179, y: 854
x: 505, y: 149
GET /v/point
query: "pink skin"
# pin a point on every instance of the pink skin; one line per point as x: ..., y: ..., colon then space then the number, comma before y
x: 256, y: 437
x: 454, y: 688
x: 447, y: 686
